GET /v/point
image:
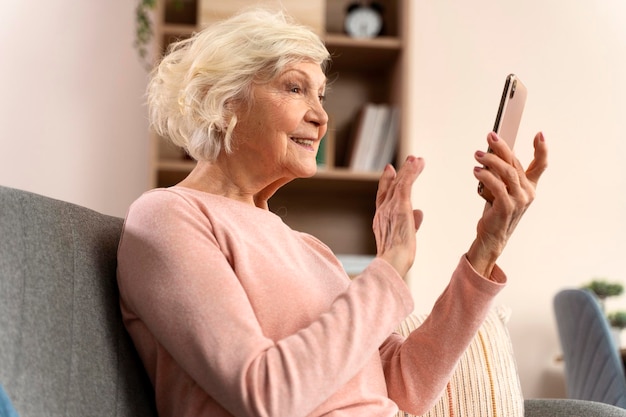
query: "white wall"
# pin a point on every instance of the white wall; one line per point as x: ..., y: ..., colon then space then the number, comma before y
x: 572, y: 57
x: 71, y: 108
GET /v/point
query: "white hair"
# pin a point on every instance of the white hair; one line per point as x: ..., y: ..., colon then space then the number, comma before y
x: 192, y: 91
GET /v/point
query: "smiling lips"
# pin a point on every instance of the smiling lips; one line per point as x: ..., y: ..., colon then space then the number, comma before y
x: 307, y: 143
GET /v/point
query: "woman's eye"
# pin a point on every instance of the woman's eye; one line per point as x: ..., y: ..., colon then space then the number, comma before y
x: 295, y: 89
x: 322, y: 98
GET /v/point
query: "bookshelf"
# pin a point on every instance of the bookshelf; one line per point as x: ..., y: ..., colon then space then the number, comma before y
x: 337, y: 204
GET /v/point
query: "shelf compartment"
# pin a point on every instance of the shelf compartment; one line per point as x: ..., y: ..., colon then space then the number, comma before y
x: 338, y: 212
x: 309, y: 12
x: 182, y: 12
x: 336, y: 12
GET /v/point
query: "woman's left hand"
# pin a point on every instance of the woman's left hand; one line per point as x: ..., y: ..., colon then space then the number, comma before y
x: 513, y: 189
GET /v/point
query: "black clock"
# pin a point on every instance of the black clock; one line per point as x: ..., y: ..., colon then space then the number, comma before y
x: 364, y: 20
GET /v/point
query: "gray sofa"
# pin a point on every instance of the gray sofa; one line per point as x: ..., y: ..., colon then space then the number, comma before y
x: 63, y: 347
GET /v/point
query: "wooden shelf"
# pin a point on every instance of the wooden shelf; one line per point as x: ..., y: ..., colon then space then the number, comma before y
x: 178, y: 29
x: 381, y: 42
x: 346, y: 174
x: 185, y: 166
x: 181, y: 165
x: 363, y: 55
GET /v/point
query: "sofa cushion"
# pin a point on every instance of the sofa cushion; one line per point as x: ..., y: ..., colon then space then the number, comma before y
x: 64, y: 350
x: 566, y: 407
x: 485, y: 382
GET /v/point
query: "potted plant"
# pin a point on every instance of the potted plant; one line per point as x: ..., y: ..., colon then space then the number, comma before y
x: 144, y: 30
x: 617, y: 319
x: 604, y: 289
x: 143, y: 26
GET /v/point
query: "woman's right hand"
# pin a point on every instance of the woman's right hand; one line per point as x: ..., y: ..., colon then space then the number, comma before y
x: 513, y: 188
x: 395, y: 221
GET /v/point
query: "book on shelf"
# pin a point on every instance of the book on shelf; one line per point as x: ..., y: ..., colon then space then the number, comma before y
x: 362, y: 136
x: 374, y: 138
x: 325, y: 157
x: 320, y: 158
x: 387, y: 146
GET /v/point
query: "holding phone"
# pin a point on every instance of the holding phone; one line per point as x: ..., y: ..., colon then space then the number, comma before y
x: 508, y: 118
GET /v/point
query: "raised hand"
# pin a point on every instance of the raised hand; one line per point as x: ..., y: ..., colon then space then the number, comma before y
x: 513, y: 189
x: 396, y: 222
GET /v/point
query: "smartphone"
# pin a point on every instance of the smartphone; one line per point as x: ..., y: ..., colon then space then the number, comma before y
x: 508, y: 118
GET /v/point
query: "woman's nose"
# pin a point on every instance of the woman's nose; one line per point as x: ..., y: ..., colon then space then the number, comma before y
x: 317, y: 114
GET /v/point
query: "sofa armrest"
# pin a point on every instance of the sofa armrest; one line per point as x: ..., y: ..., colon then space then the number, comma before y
x: 568, y: 407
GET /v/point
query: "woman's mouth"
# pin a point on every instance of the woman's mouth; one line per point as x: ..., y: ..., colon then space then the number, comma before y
x: 306, y: 143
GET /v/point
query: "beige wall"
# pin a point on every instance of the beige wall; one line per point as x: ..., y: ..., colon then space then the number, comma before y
x: 73, y: 124
x: 572, y: 56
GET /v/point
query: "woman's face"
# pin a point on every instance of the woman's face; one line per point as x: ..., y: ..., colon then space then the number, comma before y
x: 279, y: 134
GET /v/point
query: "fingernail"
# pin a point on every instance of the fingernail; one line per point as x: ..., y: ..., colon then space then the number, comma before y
x: 493, y: 136
x: 480, y: 154
x: 411, y: 159
x: 541, y: 137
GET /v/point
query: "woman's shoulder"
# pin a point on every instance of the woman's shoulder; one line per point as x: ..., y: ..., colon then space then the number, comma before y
x: 157, y: 196
x: 179, y: 201
x: 182, y: 197
x: 159, y: 202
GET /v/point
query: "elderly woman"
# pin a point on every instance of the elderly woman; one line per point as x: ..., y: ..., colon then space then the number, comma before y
x: 235, y: 314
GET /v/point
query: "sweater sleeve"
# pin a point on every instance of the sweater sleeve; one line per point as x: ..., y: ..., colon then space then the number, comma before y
x: 417, y: 369
x: 177, y: 282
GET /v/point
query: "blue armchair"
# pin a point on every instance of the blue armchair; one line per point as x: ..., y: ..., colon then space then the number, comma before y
x: 593, y: 367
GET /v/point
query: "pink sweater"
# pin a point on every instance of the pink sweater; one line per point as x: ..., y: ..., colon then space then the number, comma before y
x: 235, y: 314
